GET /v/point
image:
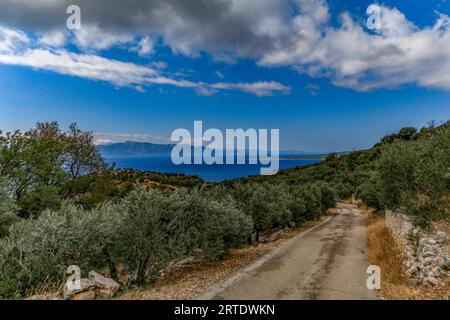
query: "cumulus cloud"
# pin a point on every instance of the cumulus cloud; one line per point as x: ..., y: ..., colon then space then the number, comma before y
x: 10, y: 39
x: 145, y: 47
x: 260, y: 89
x: 351, y: 56
x: 55, y: 38
x: 398, y: 53
x: 297, y: 34
x: 16, y: 49
x: 92, y: 37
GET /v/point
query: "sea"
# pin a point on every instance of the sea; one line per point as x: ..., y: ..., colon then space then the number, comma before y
x: 208, y: 173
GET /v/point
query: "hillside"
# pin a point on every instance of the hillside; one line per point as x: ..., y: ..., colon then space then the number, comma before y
x: 132, y: 225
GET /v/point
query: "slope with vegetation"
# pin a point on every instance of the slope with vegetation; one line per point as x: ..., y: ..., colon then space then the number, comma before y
x: 60, y: 205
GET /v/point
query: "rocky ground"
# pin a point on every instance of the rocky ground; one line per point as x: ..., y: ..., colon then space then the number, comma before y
x: 428, y: 264
x: 416, y: 261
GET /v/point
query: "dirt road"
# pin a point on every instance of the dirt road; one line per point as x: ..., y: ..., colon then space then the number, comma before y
x: 329, y: 262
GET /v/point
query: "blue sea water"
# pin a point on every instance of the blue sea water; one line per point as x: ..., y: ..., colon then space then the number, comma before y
x: 209, y: 173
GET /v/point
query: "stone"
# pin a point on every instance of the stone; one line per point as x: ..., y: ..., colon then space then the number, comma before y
x: 85, y: 285
x: 412, y: 270
x: 429, y: 261
x: 431, y: 280
x: 428, y: 254
x: 87, y: 295
x: 183, y: 263
x: 426, y: 269
x: 105, y: 287
x: 292, y: 224
x: 413, y: 282
x: 441, y: 237
x: 438, y: 272
x: 445, y: 263
x: 273, y: 237
x: 53, y: 296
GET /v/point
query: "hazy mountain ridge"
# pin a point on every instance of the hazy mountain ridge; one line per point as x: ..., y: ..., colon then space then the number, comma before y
x: 148, y: 149
x: 134, y: 149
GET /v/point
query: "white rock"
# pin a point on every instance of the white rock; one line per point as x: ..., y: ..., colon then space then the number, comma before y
x: 431, y: 280
x: 85, y: 285
x: 412, y: 270
x: 428, y: 254
x: 441, y: 237
x: 105, y: 287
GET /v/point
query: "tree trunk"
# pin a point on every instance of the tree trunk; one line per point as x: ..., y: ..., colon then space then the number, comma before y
x: 140, y: 277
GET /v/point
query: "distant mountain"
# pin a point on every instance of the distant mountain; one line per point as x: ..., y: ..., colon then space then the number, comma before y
x: 147, y: 149
x: 134, y: 149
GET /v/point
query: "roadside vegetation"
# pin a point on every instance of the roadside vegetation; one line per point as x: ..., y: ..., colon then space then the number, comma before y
x: 61, y: 205
x: 408, y: 171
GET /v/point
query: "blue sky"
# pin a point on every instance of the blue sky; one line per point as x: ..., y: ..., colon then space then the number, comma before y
x: 313, y: 69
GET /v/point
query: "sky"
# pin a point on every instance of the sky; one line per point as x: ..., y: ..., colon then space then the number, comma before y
x: 328, y: 74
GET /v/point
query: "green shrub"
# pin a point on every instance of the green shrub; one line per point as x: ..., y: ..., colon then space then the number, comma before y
x: 158, y: 227
x: 414, y: 175
x: 266, y: 204
x: 38, y: 251
x: 297, y: 204
x: 343, y: 190
x: 147, y: 235
x: 207, y: 223
x: 369, y: 193
x: 8, y: 213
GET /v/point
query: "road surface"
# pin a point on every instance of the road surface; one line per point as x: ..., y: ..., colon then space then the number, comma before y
x: 329, y: 262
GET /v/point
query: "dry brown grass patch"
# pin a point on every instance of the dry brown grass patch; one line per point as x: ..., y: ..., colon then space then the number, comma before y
x: 384, y: 251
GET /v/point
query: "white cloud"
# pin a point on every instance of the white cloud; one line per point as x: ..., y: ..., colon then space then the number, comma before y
x: 145, y: 47
x: 298, y: 34
x: 158, y: 65
x: 53, y: 39
x: 352, y: 56
x: 219, y: 74
x: 121, y: 74
x: 261, y: 89
x: 11, y: 40
x: 92, y: 37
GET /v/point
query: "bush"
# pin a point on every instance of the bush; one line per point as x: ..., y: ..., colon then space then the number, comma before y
x: 396, y: 168
x: 8, y: 213
x: 147, y: 235
x: 38, y: 251
x: 207, y: 223
x: 415, y: 175
x: 313, y: 200
x: 343, y: 190
x: 266, y: 204
x: 158, y: 227
x: 297, y: 204
x: 369, y: 193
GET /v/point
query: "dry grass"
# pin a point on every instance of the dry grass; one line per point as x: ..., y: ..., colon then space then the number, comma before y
x: 384, y: 252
